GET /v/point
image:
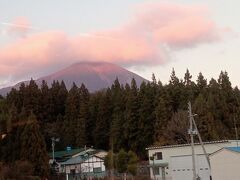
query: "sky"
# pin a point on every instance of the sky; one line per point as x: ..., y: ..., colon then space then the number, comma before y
x: 38, y: 38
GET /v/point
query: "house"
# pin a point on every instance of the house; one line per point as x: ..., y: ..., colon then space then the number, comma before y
x: 84, y: 166
x: 174, y: 162
x: 225, y: 164
x: 81, y: 162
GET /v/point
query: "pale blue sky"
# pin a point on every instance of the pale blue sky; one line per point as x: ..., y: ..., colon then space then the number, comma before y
x: 82, y: 16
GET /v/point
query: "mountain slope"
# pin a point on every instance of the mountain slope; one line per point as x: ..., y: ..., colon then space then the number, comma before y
x: 95, y: 76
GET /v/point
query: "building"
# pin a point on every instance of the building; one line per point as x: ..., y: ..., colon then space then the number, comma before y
x: 225, y: 164
x: 175, y: 162
x: 79, y: 163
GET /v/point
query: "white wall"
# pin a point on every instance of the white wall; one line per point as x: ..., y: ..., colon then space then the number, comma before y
x: 225, y: 165
x: 86, y: 166
x: 181, y: 167
x: 168, y: 152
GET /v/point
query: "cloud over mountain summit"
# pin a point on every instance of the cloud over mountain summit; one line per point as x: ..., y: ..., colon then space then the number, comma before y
x: 154, y: 30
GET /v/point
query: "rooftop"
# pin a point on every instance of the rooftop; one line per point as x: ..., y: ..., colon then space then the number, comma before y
x: 66, y: 153
x: 73, y: 155
x: 235, y: 149
x: 78, y: 159
x: 182, y: 145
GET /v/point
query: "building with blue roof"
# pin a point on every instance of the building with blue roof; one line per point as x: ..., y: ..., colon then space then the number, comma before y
x: 235, y: 149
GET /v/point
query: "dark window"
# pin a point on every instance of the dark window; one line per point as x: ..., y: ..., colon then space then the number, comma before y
x: 159, y: 155
x: 72, y: 171
x: 97, y: 169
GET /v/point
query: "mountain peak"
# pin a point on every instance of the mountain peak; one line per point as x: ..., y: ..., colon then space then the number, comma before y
x: 95, y: 76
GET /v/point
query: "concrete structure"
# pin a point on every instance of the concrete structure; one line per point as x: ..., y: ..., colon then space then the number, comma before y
x: 225, y: 164
x: 175, y: 162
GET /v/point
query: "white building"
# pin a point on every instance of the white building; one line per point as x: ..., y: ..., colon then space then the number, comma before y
x: 175, y: 162
x: 79, y: 163
x: 84, y: 166
x: 225, y: 164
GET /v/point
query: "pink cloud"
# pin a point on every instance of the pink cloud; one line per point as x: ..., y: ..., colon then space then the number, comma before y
x: 20, y: 26
x: 178, y: 26
x: 139, y: 41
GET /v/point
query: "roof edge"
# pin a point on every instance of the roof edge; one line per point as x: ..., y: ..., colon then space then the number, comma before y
x: 183, y: 145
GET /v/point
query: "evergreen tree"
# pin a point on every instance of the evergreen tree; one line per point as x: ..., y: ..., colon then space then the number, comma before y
x: 71, y: 116
x: 121, y: 161
x: 174, y: 89
x: 146, y: 118
x: 33, y: 147
x: 117, y: 128
x: 161, y: 121
x: 13, y: 118
x: 31, y: 99
x: 187, y: 78
x: 189, y: 89
x: 201, y: 83
x: 58, y: 97
x: 83, y: 117
x: 93, y: 113
x: 132, y: 117
x: 132, y: 163
x: 102, y: 129
x: 45, y: 114
x: 4, y: 116
x: 204, y: 120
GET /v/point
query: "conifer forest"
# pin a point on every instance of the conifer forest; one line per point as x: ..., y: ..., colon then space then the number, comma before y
x: 120, y: 117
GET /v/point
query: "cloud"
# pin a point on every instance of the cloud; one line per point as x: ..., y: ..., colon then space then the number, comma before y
x: 153, y: 31
x: 20, y: 26
x: 178, y: 26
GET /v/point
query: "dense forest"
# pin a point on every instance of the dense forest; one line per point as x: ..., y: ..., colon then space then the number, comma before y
x: 122, y: 116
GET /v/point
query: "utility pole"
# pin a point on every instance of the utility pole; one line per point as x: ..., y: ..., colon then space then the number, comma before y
x: 192, y: 132
x: 53, y: 145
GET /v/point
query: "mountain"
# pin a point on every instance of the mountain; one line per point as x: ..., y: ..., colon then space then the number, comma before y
x: 95, y: 76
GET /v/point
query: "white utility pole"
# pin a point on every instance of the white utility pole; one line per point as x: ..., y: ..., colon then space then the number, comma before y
x: 192, y: 132
x: 53, y: 145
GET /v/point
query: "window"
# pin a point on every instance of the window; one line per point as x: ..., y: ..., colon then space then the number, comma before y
x: 97, y: 169
x: 159, y: 155
x: 72, y: 171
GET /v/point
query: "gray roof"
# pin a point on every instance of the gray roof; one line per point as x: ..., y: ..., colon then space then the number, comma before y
x: 78, y: 159
x: 182, y: 145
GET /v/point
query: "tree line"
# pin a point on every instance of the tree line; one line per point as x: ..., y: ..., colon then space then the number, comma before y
x: 119, y: 117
